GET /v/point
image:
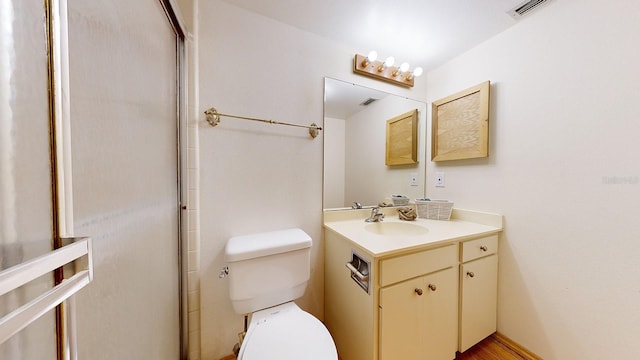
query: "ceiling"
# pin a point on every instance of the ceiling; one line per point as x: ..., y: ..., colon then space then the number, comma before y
x: 424, y: 33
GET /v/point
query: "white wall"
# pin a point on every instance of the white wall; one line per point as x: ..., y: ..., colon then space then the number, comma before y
x: 259, y: 177
x: 564, y: 170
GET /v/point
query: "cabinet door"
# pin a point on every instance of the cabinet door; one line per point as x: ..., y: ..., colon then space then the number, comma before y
x: 441, y: 315
x: 479, y: 288
x: 418, y: 318
x: 402, y: 320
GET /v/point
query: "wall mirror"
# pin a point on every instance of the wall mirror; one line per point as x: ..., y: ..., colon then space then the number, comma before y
x: 355, y: 135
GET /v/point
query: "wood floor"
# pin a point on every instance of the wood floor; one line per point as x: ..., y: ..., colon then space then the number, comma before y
x: 487, y: 349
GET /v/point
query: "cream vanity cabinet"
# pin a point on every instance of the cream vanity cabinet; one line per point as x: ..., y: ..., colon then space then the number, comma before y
x: 478, y: 290
x: 410, y: 310
x: 421, y: 301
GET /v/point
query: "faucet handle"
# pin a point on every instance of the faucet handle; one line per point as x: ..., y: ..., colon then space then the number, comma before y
x: 375, y: 215
x: 356, y: 205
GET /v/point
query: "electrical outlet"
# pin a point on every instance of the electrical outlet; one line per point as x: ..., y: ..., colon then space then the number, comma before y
x: 439, y: 179
x: 413, y: 179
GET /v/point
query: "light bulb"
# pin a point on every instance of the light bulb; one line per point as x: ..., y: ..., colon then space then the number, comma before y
x: 403, y: 68
x: 389, y: 62
x: 415, y: 73
x: 373, y: 55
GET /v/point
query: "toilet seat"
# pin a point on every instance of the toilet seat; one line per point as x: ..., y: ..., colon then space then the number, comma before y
x: 287, y: 332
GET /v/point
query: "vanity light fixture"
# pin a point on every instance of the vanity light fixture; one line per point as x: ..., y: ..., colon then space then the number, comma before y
x: 384, y: 70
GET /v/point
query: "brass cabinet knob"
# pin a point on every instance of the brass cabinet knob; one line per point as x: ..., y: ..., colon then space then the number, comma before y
x: 483, y: 248
x: 432, y: 287
x: 470, y: 274
x: 418, y: 291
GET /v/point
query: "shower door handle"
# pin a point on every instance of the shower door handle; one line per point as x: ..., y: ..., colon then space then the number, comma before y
x: 18, y: 275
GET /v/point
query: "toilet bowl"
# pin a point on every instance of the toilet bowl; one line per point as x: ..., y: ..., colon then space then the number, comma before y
x: 267, y: 271
x: 286, y: 332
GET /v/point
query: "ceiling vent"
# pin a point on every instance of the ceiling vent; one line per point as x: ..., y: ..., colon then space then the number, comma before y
x: 368, y: 101
x: 525, y: 8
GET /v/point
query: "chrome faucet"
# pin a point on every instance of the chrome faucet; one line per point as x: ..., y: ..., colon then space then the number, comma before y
x: 356, y: 205
x: 376, y: 216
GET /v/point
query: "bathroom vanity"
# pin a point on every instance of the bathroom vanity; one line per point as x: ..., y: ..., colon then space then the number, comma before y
x: 410, y: 290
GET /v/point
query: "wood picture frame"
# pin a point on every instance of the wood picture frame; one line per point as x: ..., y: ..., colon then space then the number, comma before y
x: 460, y: 124
x: 402, y: 139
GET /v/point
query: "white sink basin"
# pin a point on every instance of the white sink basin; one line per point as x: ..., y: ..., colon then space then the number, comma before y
x: 396, y: 229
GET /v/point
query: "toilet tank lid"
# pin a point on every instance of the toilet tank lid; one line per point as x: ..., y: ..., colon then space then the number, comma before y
x: 264, y: 244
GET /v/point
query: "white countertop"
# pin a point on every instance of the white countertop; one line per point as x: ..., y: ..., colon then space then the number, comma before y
x: 463, y: 225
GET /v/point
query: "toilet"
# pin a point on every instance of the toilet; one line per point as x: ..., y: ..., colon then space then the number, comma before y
x: 267, y: 272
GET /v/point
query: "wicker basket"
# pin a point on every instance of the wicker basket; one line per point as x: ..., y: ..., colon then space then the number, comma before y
x: 434, y: 209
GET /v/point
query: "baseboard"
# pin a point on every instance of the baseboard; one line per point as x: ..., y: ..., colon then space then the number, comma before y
x: 515, y: 347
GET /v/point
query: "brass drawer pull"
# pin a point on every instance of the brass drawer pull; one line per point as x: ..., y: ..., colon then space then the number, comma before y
x: 418, y: 291
x: 470, y: 274
x: 432, y: 287
x: 483, y: 248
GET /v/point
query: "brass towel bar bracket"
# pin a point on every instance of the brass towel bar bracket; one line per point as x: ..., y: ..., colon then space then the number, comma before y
x: 213, y: 118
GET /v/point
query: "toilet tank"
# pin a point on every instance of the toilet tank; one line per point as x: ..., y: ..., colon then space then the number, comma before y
x: 267, y: 269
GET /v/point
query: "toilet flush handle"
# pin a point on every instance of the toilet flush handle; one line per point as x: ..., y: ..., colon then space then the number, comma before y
x: 223, y: 272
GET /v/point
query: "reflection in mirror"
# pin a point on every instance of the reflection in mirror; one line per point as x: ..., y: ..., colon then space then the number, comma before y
x: 355, y: 121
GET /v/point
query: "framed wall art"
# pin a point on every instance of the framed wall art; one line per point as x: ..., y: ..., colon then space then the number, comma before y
x: 402, y: 139
x: 460, y: 124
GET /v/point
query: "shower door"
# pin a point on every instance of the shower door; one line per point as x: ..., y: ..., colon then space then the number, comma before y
x: 27, y: 224
x: 124, y: 136
x: 123, y: 148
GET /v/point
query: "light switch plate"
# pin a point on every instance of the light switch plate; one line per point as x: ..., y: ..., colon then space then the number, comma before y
x: 439, y: 179
x: 413, y: 179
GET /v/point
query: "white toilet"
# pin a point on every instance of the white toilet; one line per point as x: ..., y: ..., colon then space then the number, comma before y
x: 267, y: 272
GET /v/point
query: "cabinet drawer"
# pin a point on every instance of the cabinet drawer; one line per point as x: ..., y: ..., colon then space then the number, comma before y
x: 407, y: 266
x: 474, y: 249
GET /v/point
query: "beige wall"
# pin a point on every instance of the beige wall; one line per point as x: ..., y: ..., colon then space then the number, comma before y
x: 564, y: 169
x: 259, y: 177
